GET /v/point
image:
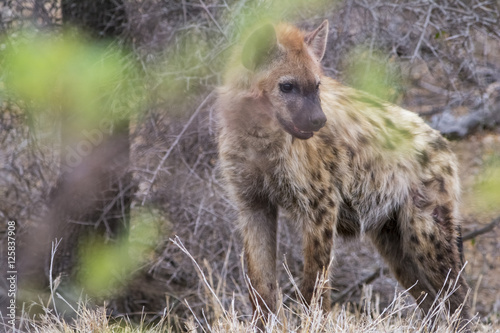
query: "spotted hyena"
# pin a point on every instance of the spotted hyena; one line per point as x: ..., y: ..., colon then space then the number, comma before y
x: 340, y: 163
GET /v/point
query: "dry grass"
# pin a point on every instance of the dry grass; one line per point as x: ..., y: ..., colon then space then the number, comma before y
x: 222, y: 316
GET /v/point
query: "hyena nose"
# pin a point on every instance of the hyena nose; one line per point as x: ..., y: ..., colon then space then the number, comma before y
x: 318, y: 120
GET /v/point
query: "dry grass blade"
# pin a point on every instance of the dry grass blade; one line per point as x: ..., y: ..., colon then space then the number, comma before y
x: 181, y: 246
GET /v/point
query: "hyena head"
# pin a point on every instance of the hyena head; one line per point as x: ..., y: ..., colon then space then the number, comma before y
x: 284, y: 68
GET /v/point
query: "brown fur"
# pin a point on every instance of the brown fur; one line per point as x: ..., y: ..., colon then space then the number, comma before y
x: 373, y: 168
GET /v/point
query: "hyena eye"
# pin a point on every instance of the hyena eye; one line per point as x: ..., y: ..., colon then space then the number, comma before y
x: 317, y: 86
x: 286, y: 87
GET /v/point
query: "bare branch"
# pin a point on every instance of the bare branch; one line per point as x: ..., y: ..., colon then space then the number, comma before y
x: 177, y: 139
x: 213, y: 19
x: 489, y: 227
x: 424, y: 29
x: 358, y: 284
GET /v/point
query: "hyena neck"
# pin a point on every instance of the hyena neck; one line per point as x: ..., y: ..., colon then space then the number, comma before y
x: 373, y: 126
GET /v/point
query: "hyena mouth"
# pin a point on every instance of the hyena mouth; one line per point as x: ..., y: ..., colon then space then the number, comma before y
x: 293, y: 130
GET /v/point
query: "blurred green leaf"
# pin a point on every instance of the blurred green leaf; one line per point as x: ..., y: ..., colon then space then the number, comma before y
x: 371, y: 71
x: 487, y: 189
x: 106, y: 267
x: 66, y: 74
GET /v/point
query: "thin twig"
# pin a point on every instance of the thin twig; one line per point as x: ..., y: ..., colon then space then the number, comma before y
x: 177, y: 241
x: 177, y: 139
x: 53, y: 284
x: 427, y: 19
x: 358, y: 284
x: 213, y: 19
x: 489, y: 227
x: 109, y: 206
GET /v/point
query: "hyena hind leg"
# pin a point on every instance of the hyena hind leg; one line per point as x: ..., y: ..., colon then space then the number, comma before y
x: 430, y: 257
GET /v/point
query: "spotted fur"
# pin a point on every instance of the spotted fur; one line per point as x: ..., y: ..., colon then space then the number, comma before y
x: 373, y: 169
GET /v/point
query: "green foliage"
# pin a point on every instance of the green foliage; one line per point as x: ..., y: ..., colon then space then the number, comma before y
x: 371, y: 71
x: 66, y: 74
x: 105, y: 267
x: 276, y: 11
x: 487, y: 189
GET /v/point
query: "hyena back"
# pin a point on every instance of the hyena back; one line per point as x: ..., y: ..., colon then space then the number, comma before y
x: 339, y: 162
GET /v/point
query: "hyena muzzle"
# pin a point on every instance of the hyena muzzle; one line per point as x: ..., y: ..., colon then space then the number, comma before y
x: 338, y: 162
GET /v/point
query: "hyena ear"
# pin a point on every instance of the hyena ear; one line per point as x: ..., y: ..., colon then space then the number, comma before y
x: 259, y: 47
x: 316, y: 40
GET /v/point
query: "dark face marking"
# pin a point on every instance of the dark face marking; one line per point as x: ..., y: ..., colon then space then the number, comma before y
x: 292, y: 129
x: 304, y: 109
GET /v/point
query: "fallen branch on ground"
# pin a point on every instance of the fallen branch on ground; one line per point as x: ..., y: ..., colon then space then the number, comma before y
x: 344, y: 294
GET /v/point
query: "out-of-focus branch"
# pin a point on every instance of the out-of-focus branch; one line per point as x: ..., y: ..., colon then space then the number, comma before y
x: 489, y: 227
x: 358, y: 284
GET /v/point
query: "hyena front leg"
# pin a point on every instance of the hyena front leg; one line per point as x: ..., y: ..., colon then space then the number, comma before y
x: 318, y: 243
x: 425, y: 249
x: 259, y: 226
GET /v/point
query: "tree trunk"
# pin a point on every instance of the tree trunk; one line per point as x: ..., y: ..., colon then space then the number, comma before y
x: 91, y: 200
